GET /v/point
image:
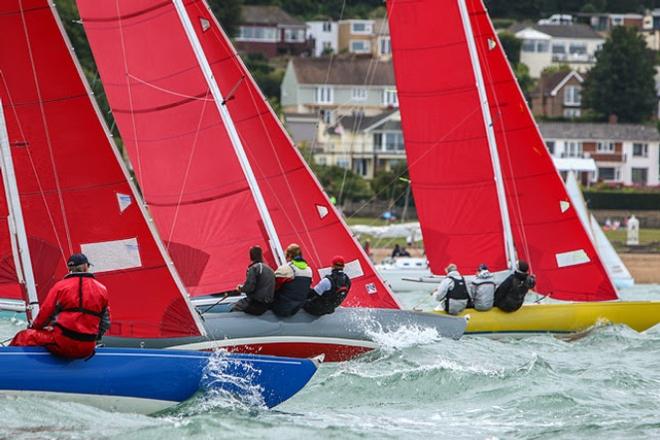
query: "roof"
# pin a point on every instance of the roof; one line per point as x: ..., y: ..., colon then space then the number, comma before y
x: 357, y: 123
x: 575, y: 30
x: 344, y: 71
x: 272, y: 15
x: 551, y: 83
x: 599, y: 131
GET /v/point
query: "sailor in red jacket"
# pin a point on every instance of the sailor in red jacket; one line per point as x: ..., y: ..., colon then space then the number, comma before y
x: 74, y: 315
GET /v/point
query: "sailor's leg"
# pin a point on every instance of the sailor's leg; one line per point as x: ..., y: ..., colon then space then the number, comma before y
x: 32, y: 337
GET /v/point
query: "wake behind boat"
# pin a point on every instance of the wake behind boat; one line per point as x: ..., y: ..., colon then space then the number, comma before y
x: 148, y: 381
x: 346, y: 333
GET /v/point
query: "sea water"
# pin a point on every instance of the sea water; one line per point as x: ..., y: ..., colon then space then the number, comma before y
x: 419, y: 385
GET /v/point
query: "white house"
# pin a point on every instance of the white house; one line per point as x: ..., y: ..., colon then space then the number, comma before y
x: 627, y: 154
x: 325, y: 35
x: 553, y: 44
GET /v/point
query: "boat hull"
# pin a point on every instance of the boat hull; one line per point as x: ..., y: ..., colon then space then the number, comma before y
x: 342, y: 335
x: 563, y: 317
x: 147, y: 381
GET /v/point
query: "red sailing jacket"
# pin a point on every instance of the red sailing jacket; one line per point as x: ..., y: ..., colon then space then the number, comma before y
x: 76, y: 305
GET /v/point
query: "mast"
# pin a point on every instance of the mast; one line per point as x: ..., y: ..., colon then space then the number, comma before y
x: 275, y: 244
x: 490, y: 134
x: 17, y: 224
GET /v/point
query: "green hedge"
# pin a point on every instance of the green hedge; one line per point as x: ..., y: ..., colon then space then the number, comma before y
x: 622, y: 200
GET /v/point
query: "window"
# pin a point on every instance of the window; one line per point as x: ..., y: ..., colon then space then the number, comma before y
x: 558, y: 49
x: 327, y: 26
x: 360, y: 46
x: 321, y: 160
x: 641, y: 150
x: 577, y: 49
x: 385, y: 46
x: 326, y: 116
x: 551, y: 146
x: 573, y: 95
x: 573, y: 149
x: 605, y: 147
x: 542, y: 46
x: 640, y: 176
x: 360, y: 27
x: 256, y: 33
x: 359, y: 93
x: 294, y: 35
x: 342, y: 163
x: 617, y: 20
x: 571, y: 113
x: 528, y: 46
x: 324, y: 95
x: 535, y: 46
x: 360, y: 167
x: 390, y: 99
x: 391, y: 141
x: 608, y: 173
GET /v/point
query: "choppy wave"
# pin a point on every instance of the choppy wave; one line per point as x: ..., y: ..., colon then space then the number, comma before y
x: 419, y: 385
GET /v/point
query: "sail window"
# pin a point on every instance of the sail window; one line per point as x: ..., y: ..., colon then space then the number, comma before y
x: 572, y: 258
x: 206, y: 25
x: 352, y: 268
x: 113, y: 255
x: 124, y: 201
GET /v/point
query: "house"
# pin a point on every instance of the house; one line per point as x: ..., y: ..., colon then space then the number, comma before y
x: 365, y: 37
x: 363, y: 144
x: 338, y: 87
x: 545, y: 45
x: 270, y: 31
x: 324, y: 34
x: 557, y: 95
x: 627, y: 154
x: 605, y: 21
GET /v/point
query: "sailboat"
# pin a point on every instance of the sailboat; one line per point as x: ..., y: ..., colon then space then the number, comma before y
x: 65, y: 190
x: 219, y: 174
x: 615, y: 267
x: 484, y: 184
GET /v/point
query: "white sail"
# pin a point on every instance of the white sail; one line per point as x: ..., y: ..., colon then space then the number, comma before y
x: 613, y: 263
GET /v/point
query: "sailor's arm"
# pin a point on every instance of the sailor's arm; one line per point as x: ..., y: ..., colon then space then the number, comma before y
x: 323, y: 286
x: 46, y: 309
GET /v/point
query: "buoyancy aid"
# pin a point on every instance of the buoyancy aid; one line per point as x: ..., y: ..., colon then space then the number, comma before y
x: 457, y: 297
x: 81, y: 304
x: 331, y: 299
x: 292, y: 295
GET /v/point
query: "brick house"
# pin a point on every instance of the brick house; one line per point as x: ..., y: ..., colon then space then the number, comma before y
x: 557, y: 95
x: 270, y: 31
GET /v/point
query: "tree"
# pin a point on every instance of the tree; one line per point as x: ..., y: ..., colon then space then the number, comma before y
x: 342, y: 183
x: 391, y: 185
x: 511, y: 45
x: 622, y: 81
x: 228, y: 13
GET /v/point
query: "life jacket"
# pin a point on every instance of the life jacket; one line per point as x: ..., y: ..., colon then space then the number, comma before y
x: 510, y: 296
x: 457, y: 294
x: 81, y: 304
x: 292, y: 295
x: 331, y: 299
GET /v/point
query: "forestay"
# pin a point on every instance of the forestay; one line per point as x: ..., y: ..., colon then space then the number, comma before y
x: 187, y: 163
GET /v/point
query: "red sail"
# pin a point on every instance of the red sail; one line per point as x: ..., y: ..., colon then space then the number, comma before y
x: 546, y: 229
x: 74, y: 193
x: 184, y: 159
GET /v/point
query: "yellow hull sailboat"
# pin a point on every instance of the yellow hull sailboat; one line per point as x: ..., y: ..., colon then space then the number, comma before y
x: 563, y: 318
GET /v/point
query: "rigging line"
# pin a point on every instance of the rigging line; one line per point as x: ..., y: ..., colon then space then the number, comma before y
x: 507, y: 148
x: 168, y: 91
x: 325, y: 83
x: 42, y: 192
x: 187, y: 173
x: 422, y: 156
x: 130, y: 98
x: 46, y: 130
x: 219, y: 33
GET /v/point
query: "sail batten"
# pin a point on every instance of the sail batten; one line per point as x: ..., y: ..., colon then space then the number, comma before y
x: 551, y: 239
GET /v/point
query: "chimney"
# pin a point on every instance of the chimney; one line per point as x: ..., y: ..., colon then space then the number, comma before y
x: 613, y: 119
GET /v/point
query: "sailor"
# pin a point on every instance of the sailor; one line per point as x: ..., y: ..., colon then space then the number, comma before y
x: 453, y: 290
x: 396, y: 252
x: 74, y: 315
x: 330, y: 292
x: 510, y: 295
x: 482, y: 289
x: 292, y: 283
x: 259, y: 286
